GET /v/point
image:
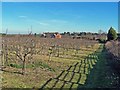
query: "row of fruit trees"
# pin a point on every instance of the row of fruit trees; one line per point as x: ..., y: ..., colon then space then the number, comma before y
x: 20, y: 50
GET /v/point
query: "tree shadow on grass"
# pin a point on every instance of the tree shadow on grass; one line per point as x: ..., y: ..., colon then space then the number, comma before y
x: 16, y: 72
x: 71, y: 76
x: 62, y: 78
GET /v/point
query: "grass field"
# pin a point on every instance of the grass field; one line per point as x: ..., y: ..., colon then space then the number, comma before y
x: 86, y: 67
x: 43, y: 69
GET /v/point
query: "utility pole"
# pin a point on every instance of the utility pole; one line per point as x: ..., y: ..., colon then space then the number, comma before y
x: 28, y: 31
x: 6, y: 31
x: 31, y: 29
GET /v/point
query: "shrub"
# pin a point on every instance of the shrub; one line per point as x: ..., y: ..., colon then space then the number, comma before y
x: 102, y: 40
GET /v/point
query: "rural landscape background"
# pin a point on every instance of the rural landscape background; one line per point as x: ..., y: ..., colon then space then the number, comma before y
x: 49, y: 45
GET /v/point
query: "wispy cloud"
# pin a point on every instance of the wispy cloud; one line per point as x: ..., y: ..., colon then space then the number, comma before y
x: 29, y: 20
x: 22, y: 16
x: 58, y: 21
x: 42, y: 23
x: 50, y: 22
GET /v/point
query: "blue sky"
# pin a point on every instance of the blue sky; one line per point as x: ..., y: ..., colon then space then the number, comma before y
x: 18, y: 17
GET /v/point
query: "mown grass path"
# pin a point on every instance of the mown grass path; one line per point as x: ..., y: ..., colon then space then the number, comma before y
x: 103, y: 75
x: 92, y: 72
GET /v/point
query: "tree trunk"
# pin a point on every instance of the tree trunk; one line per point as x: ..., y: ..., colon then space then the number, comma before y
x: 2, y: 59
x: 58, y: 52
x: 6, y: 58
x: 23, y: 68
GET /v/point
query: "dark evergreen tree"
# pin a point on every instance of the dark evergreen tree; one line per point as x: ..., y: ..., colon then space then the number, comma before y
x: 112, y: 35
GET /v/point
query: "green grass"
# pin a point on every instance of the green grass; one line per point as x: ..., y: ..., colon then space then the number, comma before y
x: 86, y: 71
x: 63, y: 75
x: 97, y: 77
x: 52, y: 82
x: 15, y: 65
x: 42, y: 70
x: 43, y: 65
x: 83, y: 79
x: 77, y: 68
x: 76, y: 77
x: 67, y: 85
x: 68, y: 77
x: 75, y: 86
x: 59, y: 84
x: 36, y: 64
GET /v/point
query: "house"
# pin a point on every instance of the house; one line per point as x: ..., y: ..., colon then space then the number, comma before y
x: 58, y: 36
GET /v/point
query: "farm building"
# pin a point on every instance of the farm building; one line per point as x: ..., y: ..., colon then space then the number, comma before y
x: 57, y: 36
x: 51, y: 35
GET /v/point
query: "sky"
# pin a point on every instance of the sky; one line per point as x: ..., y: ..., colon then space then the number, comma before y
x: 60, y: 0
x: 22, y: 17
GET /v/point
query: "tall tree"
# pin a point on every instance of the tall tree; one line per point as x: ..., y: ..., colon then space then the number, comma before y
x: 112, y: 35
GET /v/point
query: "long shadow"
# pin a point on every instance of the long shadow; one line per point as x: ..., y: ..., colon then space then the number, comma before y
x: 12, y: 72
x: 73, y: 73
x: 114, y: 63
x: 69, y: 68
x: 72, y: 77
x: 71, y: 86
x: 45, y: 84
x: 63, y: 85
x: 54, y: 84
x: 65, y: 75
x: 63, y: 79
x: 59, y: 75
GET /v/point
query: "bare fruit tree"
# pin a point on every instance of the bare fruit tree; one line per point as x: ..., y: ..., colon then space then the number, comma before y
x: 22, y: 48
